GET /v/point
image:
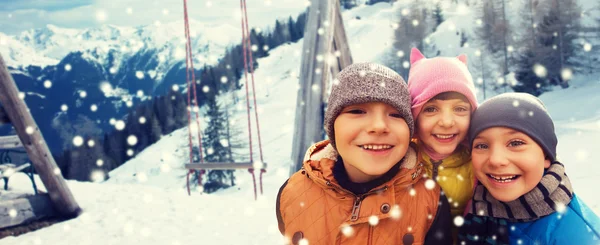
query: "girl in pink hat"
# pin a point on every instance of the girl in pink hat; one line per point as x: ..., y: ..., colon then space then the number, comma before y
x: 443, y: 99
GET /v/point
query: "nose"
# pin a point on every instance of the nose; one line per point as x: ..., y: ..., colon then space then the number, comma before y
x: 497, y: 157
x: 446, y: 119
x: 379, y: 124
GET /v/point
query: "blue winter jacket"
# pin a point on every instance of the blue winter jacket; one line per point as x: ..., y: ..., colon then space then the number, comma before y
x: 576, y: 225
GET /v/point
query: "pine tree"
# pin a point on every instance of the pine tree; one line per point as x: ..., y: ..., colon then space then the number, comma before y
x: 214, y: 148
x: 493, y: 33
x: 437, y: 15
x: 549, y: 48
x: 411, y: 31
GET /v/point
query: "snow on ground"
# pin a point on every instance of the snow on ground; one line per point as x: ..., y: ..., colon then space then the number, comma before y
x: 155, y: 208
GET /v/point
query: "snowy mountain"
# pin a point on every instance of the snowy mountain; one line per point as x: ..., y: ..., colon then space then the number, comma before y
x: 144, y: 201
x: 51, y: 43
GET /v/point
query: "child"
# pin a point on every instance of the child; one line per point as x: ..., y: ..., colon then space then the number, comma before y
x: 443, y: 98
x: 363, y: 185
x: 524, y: 195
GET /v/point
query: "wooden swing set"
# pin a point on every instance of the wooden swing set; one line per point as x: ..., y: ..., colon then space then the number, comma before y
x: 193, y: 103
x: 324, y: 36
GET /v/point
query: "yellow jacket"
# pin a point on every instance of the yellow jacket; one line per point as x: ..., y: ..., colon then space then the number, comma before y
x: 455, y: 176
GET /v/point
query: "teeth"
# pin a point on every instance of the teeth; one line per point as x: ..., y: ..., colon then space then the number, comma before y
x: 503, y: 178
x: 376, y: 147
x: 444, y: 136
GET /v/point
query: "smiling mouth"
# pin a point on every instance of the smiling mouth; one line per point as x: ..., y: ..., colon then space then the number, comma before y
x: 503, y: 178
x: 376, y: 147
x: 445, y: 136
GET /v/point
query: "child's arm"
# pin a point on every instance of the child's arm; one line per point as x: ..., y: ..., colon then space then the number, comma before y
x: 280, y: 222
x: 440, y: 230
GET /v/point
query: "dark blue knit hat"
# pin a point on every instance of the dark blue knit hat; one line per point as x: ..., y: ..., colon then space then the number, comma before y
x: 519, y: 111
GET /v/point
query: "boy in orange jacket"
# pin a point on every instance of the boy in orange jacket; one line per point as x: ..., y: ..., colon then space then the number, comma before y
x: 364, y: 185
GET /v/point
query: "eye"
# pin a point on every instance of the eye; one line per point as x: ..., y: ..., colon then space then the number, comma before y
x: 480, y: 146
x: 355, y: 111
x: 429, y: 109
x: 515, y: 143
x: 461, y: 109
x: 396, y: 115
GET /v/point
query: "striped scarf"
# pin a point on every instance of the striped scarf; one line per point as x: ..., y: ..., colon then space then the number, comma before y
x: 486, y: 221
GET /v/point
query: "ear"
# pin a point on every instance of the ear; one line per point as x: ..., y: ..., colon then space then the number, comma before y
x: 462, y: 58
x: 415, y: 55
x: 546, y: 163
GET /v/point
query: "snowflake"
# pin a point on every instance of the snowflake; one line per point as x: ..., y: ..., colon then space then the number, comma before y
x: 57, y: 171
x: 429, y: 184
x: 315, y: 87
x: 139, y: 74
x: 132, y: 140
x: 347, y: 230
x: 119, y: 125
x: 47, y: 84
x: 12, y: 213
x: 77, y: 141
x: 97, y: 176
x: 566, y: 74
x: 205, y: 89
x: 68, y: 67
x: 91, y: 143
x: 303, y: 241
x: 396, y: 213
x: 587, y: 47
x: 130, y: 152
x: 373, y: 220
x: 99, y: 162
x: 405, y: 64
x: 165, y: 168
x: 29, y: 130
x: 100, y: 16
x: 540, y: 70
x: 412, y: 192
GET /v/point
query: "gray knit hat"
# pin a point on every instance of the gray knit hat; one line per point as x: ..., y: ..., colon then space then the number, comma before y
x: 519, y: 111
x: 363, y: 83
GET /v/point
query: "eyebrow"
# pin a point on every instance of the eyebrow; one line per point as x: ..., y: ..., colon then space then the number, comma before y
x: 510, y: 132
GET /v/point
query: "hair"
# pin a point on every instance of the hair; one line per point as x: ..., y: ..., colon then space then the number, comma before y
x: 450, y: 95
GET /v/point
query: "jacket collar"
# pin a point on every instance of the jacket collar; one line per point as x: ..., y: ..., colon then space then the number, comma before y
x: 321, y: 157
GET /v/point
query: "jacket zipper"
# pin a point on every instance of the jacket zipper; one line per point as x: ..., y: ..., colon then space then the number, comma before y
x: 370, y: 237
x: 358, y: 201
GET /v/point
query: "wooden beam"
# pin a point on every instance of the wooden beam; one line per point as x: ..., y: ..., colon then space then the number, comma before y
x: 26, y: 209
x: 324, y: 31
x: 35, y: 145
x: 10, y: 142
x: 221, y: 166
x: 340, y: 41
x: 3, y: 117
x: 308, y: 123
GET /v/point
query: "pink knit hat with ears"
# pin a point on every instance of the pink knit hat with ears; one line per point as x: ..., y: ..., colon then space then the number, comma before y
x: 430, y: 77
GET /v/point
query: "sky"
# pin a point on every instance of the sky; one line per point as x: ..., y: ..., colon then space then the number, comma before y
x: 20, y: 15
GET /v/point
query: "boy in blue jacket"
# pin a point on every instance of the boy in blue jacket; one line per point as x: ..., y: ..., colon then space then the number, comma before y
x: 523, y: 195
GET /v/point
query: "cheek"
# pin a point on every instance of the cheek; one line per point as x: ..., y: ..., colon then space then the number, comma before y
x: 463, y: 122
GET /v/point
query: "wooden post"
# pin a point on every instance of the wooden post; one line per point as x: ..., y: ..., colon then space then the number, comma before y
x: 324, y: 33
x: 36, y: 147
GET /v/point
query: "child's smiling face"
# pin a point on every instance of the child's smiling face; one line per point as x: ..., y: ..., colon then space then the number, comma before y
x: 443, y: 122
x: 508, y: 162
x: 371, y: 138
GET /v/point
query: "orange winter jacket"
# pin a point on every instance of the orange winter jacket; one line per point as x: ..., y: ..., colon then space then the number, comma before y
x: 311, y: 205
